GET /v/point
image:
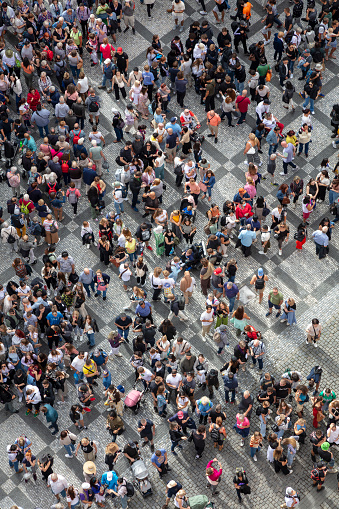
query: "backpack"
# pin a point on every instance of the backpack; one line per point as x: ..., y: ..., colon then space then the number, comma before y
x: 24, y: 208
x: 178, y: 169
x: 72, y: 197
x: 10, y: 239
x: 93, y: 107
x: 47, y: 458
x: 123, y: 192
x: 288, y: 37
x: 258, y: 411
x: 315, y: 474
x: 212, y: 377
x: 215, y: 435
x: 181, y: 302
x: 76, y: 138
x: 118, y: 174
x: 52, y: 188
x: 259, y: 284
x: 16, y: 221
x: 252, y: 48
x: 53, y: 228
x: 129, y: 488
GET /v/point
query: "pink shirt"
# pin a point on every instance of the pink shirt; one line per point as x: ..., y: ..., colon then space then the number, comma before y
x: 216, y: 473
x: 245, y: 422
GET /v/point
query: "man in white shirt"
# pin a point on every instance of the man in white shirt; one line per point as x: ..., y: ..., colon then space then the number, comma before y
x: 180, y: 347
x: 178, y: 8
x: 125, y: 274
x: 206, y: 319
x: 263, y: 107
x: 118, y: 198
x: 33, y: 398
x: 167, y: 284
x: 291, y: 499
x: 173, y: 382
x: 77, y: 365
x: 58, y: 484
x: 265, y: 239
x: 146, y: 376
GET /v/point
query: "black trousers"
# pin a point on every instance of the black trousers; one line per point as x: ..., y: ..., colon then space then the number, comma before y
x: 180, y: 98
x: 156, y: 293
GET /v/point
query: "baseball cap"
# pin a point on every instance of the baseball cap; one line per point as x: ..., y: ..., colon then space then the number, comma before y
x: 173, y: 119
x: 260, y: 272
x: 325, y: 446
x: 171, y: 484
x: 180, y: 414
x: 218, y: 270
x: 107, y: 61
x: 119, y: 50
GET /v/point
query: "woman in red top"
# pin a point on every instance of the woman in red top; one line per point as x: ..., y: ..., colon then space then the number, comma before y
x: 33, y: 98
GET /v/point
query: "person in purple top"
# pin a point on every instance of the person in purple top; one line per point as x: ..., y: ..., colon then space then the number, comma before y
x: 231, y: 291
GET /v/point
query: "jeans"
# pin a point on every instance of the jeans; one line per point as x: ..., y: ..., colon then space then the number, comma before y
x: 70, y: 449
x: 272, y: 149
x: 123, y: 333
x: 54, y: 425
x: 87, y: 286
x: 78, y: 377
x: 239, y: 86
x: 227, y: 391
x: 260, y: 361
x: 81, y: 122
x: 290, y: 457
x: 310, y: 101
x: 242, y: 117
x: 41, y: 131
x: 133, y: 256
x: 104, y: 79
x: 262, y: 426
x: 254, y: 450
x: 123, y: 500
x: 91, y: 338
x: 103, y: 292
x: 14, y: 464
x: 118, y: 133
x: 231, y: 301
x: 119, y: 207
x: 75, y: 71
x: 174, y: 445
x: 301, y: 146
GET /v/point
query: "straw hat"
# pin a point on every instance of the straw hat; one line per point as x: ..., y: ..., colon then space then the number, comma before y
x: 90, y: 468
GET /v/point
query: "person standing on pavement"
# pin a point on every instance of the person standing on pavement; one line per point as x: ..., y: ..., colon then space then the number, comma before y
x: 159, y: 461
x: 213, y: 121
x: 198, y: 437
x: 292, y: 499
x: 58, y: 485
x: 257, y: 351
x: 230, y: 385
x: 93, y: 106
x: 275, y: 300
x: 51, y: 416
x: 87, y: 279
x: 242, y: 103
x: 321, y: 240
x: 231, y: 291
x: 288, y: 155
x: 213, y: 475
x: 259, y: 282
x: 123, y: 323
x: 146, y: 428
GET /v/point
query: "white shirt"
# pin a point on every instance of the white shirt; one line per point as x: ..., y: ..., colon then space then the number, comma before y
x: 35, y: 397
x: 206, y: 316
x: 58, y: 485
x: 78, y: 364
x: 125, y: 273
x: 83, y: 84
x: 333, y: 436
x: 174, y: 381
x: 118, y: 196
x: 155, y: 281
x: 262, y: 108
x: 178, y: 7
x: 289, y: 501
x: 265, y: 236
x: 146, y: 375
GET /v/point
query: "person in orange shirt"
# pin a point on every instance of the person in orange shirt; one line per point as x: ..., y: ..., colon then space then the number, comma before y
x: 213, y: 120
x: 247, y: 11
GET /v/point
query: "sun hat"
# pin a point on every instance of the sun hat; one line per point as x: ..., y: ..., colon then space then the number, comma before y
x: 90, y: 468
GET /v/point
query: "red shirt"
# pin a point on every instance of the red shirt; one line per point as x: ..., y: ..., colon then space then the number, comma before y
x: 239, y: 213
x: 242, y: 103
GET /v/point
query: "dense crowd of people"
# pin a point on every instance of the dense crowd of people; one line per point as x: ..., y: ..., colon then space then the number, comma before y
x: 56, y: 156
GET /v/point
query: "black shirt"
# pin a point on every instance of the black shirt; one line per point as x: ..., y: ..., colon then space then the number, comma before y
x: 270, y: 396
x: 282, y: 392
x: 245, y: 403
x: 121, y: 59
x: 213, y: 414
x: 148, y: 431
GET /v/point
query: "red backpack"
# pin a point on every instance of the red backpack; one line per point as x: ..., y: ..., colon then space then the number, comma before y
x: 76, y: 138
x: 64, y: 168
x: 52, y: 188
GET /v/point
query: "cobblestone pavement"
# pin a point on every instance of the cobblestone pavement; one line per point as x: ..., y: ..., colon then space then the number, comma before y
x: 311, y: 282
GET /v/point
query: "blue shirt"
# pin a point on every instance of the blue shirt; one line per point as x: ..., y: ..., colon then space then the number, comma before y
x: 247, y: 237
x: 176, y: 128
x: 254, y: 224
x: 155, y: 459
x: 231, y: 292
x: 237, y: 197
x: 143, y: 311
x: 148, y: 78
x: 320, y: 238
x: 54, y: 320
x: 113, y: 483
x: 51, y: 414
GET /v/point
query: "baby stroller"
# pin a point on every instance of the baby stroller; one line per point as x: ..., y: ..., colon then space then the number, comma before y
x: 133, y: 399
x: 140, y: 475
x: 195, y: 136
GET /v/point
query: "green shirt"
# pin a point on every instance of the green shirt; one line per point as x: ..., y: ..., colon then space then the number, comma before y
x: 262, y: 69
x: 275, y: 299
x: 329, y: 397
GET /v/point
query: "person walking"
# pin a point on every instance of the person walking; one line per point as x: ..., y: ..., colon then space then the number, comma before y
x: 213, y: 121
x: 198, y: 437
x: 51, y: 416
x: 213, y: 475
x: 68, y: 439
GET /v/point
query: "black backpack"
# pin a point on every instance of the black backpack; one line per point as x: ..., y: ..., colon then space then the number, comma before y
x: 129, y: 488
x: 213, y: 376
x: 259, y: 284
x: 93, y: 107
x: 258, y: 411
x: 178, y: 169
x: 215, y: 435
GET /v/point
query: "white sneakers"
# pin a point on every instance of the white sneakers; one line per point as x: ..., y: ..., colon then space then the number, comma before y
x: 280, y: 252
x: 261, y: 252
x: 255, y: 458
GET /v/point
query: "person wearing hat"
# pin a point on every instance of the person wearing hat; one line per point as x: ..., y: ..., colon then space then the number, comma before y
x: 108, y: 71
x: 121, y: 61
x: 292, y: 498
x: 327, y: 457
x: 86, y: 495
x: 259, y: 282
x: 305, y: 63
x: 172, y: 489
x: 89, y: 470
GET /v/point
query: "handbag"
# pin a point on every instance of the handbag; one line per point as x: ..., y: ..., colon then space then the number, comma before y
x: 251, y: 151
x: 265, y: 211
x: 245, y: 489
x: 101, y: 204
x: 286, y: 200
x: 101, y: 287
x: 202, y: 186
x: 105, y: 165
x: 73, y: 277
x: 269, y: 75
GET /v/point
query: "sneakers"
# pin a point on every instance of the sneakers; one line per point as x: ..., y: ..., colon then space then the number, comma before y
x: 291, y: 75
x: 307, y: 343
x: 68, y: 455
x: 203, y: 13
x: 315, y: 345
x: 118, y: 354
x: 282, y: 173
x: 150, y: 248
x: 197, y: 456
x: 268, y: 314
x: 242, y: 443
x: 280, y: 252
x: 332, y: 470
x: 88, y: 246
x: 261, y: 252
x: 334, y: 145
x: 255, y: 458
